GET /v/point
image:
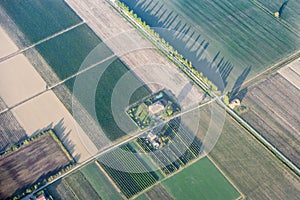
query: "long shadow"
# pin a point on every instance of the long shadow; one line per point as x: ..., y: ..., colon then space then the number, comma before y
x: 281, y: 9
x: 185, y: 39
x: 235, y: 91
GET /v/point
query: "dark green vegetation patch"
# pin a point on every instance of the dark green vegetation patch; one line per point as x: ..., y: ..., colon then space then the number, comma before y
x: 38, y: 19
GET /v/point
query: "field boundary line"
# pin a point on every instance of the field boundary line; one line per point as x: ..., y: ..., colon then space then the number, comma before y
x: 108, y: 177
x: 272, y: 69
x: 49, y: 88
x: 227, y: 177
x: 41, y: 41
x: 70, y: 189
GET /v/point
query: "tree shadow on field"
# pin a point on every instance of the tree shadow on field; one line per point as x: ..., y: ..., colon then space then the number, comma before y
x: 184, y: 38
x: 236, y: 91
x: 63, y: 136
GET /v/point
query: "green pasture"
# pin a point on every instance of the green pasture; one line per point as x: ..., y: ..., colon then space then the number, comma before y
x: 201, y: 180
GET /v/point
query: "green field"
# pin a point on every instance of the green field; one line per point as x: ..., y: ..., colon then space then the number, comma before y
x: 289, y: 14
x: 130, y: 173
x: 201, y: 180
x: 104, y: 89
x: 231, y: 35
x: 74, y: 186
x: 87, y: 183
x: 66, y: 53
x: 99, y: 182
x: 39, y: 19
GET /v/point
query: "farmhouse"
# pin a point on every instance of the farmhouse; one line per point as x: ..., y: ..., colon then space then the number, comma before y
x: 156, y: 108
x: 153, y: 139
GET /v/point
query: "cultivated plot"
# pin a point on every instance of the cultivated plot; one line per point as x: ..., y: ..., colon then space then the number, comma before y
x: 39, y: 19
x: 201, y: 180
x: 288, y: 10
x: 271, y: 111
x: 15, y: 84
x: 255, y: 172
x: 29, y: 164
x: 46, y: 111
x: 221, y: 38
x: 89, y: 182
x: 9, y: 46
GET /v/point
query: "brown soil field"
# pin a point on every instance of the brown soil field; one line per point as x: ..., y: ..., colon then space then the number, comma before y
x: 25, y: 166
x: 249, y: 166
x: 272, y: 111
x: 135, y: 50
x: 158, y: 192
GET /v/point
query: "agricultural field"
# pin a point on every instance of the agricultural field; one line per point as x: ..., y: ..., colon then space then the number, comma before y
x: 100, y: 182
x: 254, y: 170
x: 101, y: 103
x: 201, y: 180
x: 157, y: 192
x: 129, y: 172
x: 75, y: 186
x: 66, y: 52
x: 289, y: 12
x: 40, y: 19
x: 271, y: 111
x: 87, y: 183
x: 18, y: 173
x: 10, y: 130
x: 203, y: 33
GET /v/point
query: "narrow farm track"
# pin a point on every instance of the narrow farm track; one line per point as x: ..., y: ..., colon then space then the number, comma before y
x: 41, y: 41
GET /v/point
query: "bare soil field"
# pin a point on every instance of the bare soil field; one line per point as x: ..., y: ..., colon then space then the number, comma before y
x: 9, y: 46
x: 19, y: 80
x: 247, y: 164
x: 292, y: 73
x: 34, y: 161
x: 272, y: 110
x: 46, y: 111
x: 134, y: 50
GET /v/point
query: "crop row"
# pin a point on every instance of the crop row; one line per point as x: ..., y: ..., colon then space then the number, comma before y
x: 129, y: 173
x: 182, y: 147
